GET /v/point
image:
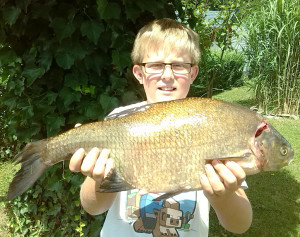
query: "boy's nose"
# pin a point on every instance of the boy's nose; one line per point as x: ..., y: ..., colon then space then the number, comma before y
x: 167, y: 73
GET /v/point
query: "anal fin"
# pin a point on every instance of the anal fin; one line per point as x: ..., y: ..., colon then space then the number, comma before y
x: 113, y: 183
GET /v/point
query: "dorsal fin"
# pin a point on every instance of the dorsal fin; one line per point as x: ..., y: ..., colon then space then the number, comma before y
x: 127, y: 112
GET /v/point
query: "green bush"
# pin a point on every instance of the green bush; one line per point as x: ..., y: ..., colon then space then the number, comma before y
x: 227, y: 71
x: 65, y: 62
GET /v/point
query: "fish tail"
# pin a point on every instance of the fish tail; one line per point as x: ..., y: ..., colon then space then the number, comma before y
x: 31, y: 169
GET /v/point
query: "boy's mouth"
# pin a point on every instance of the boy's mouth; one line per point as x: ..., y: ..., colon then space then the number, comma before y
x: 167, y: 88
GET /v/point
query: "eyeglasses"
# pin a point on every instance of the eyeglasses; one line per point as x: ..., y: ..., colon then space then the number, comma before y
x: 179, y: 68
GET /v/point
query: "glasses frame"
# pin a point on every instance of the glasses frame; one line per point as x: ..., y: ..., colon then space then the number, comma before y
x: 171, y: 64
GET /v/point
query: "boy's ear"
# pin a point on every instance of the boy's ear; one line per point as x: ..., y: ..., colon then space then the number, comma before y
x: 138, y: 73
x: 194, y: 72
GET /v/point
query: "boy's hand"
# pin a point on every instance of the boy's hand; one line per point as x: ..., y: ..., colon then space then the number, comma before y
x: 96, y: 164
x: 221, y: 179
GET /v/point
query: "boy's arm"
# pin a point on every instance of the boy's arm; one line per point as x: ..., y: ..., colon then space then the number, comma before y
x: 95, y: 166
x: 221, y: 186
x: 92, y: 201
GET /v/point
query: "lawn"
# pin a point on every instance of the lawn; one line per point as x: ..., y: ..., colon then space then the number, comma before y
x: 7, y: 170
x: 275, y: 196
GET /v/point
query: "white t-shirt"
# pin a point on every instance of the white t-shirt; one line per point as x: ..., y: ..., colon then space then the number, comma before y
x: 133, y: 215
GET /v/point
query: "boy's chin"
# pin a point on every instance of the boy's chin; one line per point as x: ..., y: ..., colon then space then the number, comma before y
x: 162, y: 99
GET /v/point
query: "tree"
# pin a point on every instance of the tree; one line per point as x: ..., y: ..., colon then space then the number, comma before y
x: 214, y: 33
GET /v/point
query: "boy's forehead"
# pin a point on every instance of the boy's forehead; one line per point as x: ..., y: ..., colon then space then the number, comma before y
x: 166, y: 53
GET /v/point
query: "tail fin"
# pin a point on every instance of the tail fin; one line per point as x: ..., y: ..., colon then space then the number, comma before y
x: 31, y: 169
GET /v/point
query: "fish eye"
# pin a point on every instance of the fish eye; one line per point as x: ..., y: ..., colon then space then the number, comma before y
x: 283, y: 150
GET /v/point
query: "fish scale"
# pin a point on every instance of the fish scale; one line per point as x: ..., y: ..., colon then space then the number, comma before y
x: 163, y: 147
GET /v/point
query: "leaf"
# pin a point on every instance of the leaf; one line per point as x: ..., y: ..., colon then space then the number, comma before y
x: 102, y: 5
x: 11, y: 102
x: 96, y: 61
x: 76, y: 80
x: 53, y: 124
x: 32, y: 73
x: 24, y: 133
x: 121, y: 59
x: 132, y: 11
x: 108, y: 11
x: 45, y: 60
x: 7, y: 56
x: 11, y: 14
x: 62, y: 28
x: 92, y: 29
x: 51, y: 97
x: 54, y: 210
x: 147, y: 6
x: 93, y: 110
x: 117, y: 82
x: 16, y: 85
x: 108, y: 103
x: 69, y: 96
x: 68, y: 52
x: 129, y: 97
x: 64, y: 58
x: 23, y: 4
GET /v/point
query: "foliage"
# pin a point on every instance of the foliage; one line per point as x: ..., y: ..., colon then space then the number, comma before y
x: 65, y: 62
x: 215, y: 33
x: 273, y: 36
x: 228, y: 72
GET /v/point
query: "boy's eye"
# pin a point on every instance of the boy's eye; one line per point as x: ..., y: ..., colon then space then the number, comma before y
x: 179, y: 66
x: 156, y: 66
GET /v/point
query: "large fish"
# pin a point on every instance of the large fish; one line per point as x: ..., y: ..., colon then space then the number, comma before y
x: 163, y: 147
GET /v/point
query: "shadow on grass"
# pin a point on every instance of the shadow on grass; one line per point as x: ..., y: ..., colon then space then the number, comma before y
x: 2, y: 198
x: 275, y: 201
x: 247, y: 102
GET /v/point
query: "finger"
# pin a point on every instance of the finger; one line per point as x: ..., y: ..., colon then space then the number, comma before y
x: 76, y: 160
x: 89, y: 162
x: 99, y: 168
x: 214, y: 179
x: 108, y: 167
x: 237, y: 171
x: 206, y: 187
x: 229, y: 179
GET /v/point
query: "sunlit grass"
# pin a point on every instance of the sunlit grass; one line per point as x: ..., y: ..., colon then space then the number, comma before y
x: 7, y: 171
x: 275, y: 196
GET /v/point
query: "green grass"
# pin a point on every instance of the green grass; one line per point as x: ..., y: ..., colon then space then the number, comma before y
x: 7, y: 171
x: 275, y: 196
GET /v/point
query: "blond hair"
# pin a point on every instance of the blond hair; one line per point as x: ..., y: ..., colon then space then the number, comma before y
x: 166, y: 34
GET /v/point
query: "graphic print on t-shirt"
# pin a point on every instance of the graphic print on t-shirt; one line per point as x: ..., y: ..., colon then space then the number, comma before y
x: 160, y: 218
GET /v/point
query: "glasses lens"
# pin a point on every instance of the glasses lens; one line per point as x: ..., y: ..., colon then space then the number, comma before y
x: 154, y: 67
x: 181, y: 68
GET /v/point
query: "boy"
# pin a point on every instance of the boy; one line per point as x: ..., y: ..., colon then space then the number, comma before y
x: 165, y: 57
